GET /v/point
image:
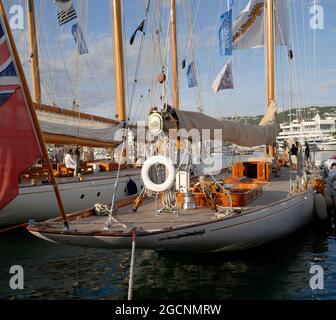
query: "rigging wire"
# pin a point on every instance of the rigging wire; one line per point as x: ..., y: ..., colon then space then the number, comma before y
x: 210, y: 68
x: 314, y: 64
x: 299, y: 85
x: 188, y: 22
x: 139, y: 59
x: 291, y: 65
x: 48, y: 61
x: 304, y: 44
x: 190, y: 29
x: 164, y: 63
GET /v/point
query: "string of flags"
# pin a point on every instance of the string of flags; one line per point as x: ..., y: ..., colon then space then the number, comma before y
x: 246, y: 32
x: 67, y: 14
x: 224, y: 80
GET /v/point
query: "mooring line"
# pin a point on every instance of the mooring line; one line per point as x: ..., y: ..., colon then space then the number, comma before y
x: 131, y: 275
x: 14, y: 228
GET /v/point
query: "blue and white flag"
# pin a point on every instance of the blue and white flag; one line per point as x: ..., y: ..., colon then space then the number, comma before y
x: 225, y: 78
x: 79, y: 39
x: 67, y: 12
x: 225, y: 32
x: 192, y: 81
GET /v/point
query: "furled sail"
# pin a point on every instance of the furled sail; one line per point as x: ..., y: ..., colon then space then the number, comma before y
x: 248, y: 28
x: 68, y: 127
x: 105, y: 135
x: 241, y: 134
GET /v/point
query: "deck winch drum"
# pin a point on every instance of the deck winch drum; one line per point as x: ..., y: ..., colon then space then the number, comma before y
x: 170, y: 175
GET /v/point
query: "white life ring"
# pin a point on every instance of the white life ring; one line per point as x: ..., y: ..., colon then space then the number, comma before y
x: 170, y: 179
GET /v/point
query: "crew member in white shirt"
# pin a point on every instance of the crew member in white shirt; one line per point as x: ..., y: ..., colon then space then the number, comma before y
x: 69, y: 162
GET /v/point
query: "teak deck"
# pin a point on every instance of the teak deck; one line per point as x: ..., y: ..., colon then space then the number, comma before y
x: 146, y: 219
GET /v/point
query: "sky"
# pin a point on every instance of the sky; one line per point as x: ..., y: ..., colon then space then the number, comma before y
x: 309, y: 80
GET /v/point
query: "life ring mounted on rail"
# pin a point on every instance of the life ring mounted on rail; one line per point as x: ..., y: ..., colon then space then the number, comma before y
x: 170, y: 179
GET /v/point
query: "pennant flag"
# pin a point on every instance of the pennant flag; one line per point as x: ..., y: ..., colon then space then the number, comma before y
x: 140, y: 28
x: 79, y: 39
x: 66, y: 15
x: 192, y: 82
x: 248, y: 29
x: 225, y: 34
x: 225, y: 78
x: 19, y: 146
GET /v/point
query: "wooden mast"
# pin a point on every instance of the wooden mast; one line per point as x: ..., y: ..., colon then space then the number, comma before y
x: 33, y: 47
x: 119, y: 60
x: 175, y: 74
x: 270, y: 57
x: 33, y: 114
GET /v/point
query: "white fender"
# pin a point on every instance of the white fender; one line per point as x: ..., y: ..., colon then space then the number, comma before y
x: 170, y: 179
x: 320, y: 207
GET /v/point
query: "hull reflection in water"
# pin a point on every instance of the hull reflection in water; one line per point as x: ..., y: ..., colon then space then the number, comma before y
x: 278, y: 271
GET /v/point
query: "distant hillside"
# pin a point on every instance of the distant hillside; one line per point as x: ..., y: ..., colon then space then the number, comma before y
x: 284, y: 117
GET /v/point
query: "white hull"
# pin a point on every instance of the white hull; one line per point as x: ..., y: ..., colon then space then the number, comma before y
x: 254, y: 228
x: 39, y: 202
x: 327, y: 146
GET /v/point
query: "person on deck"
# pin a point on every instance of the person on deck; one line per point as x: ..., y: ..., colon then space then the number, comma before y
x: 69, y: 162
x: 77, y: 154
x: 307, y: 154
x: 294, y: 153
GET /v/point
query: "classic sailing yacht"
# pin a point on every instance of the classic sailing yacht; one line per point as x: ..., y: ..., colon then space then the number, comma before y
x: 67, y: 127
x: 216, y: 214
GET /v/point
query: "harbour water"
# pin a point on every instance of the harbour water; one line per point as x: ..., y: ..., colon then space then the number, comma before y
x: 277, y: 271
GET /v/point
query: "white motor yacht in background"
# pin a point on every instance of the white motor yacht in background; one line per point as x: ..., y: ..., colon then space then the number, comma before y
x: 317, y: 132
x: 327, y: 145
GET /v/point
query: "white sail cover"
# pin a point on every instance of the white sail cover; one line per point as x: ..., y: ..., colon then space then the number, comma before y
x: 241, y: 134
x: 107, y: 134
x: 249, y: 28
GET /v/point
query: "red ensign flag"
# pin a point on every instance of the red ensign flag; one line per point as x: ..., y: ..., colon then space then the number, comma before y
x: 19, y: 147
